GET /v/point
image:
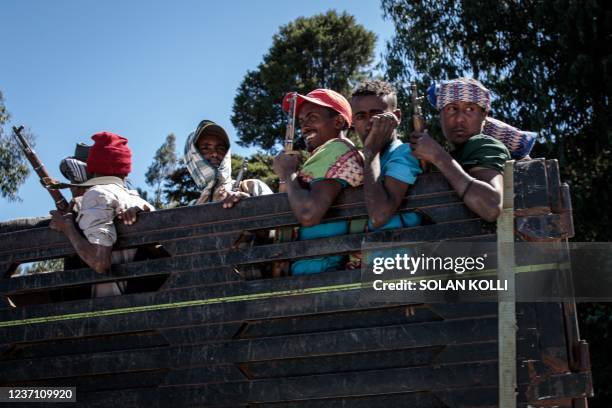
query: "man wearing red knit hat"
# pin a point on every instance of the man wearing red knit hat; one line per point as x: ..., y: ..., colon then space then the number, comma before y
x: 334, y: 163
x: 109, y: 161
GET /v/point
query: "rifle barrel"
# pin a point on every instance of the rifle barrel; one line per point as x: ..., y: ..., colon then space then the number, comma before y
x: 60, y: 202
x: 238, y: 180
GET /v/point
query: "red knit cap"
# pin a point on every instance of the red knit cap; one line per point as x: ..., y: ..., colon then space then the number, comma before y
x: 110, y: 155
x: 322, y: 97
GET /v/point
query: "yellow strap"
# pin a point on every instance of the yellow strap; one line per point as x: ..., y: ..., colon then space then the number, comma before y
x: 535, y: 268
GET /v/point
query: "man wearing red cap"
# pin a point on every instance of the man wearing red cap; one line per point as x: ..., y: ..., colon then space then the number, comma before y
x: 109, y: 162
x: 334, y: 163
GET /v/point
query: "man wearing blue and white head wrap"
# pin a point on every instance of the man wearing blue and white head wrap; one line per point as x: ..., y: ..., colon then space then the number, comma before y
x: 474, y: 168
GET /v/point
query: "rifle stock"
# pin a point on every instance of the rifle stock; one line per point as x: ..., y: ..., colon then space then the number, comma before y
x: 290, y: 132
x: 417, y: 116
x: 60, y: 202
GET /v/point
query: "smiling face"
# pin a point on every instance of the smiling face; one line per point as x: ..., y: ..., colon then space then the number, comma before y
x: 364, y: 108
x: 212, y: 147
x: 319, y: 124
x: 461, y: 120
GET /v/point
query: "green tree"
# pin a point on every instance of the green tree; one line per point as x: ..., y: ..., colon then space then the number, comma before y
x: 41, y: 266
x: 144, y: 194
x: 544, y: 76
x: 550, y: 67
x: 179, y: 187
x: 324, y: 51
x: 13, y: 166
x: 163, y: 165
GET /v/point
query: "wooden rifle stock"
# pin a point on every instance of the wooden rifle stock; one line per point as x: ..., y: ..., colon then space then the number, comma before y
x: 417, y: 116
x: 290, y: 132
x: 60, y: 202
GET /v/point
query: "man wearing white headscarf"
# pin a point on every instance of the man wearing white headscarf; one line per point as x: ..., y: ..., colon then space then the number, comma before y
x: 208, y: 160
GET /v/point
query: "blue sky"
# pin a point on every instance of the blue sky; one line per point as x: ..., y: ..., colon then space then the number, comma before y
x: 142, y: 69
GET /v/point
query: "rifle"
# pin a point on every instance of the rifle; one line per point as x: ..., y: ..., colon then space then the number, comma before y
x: 417, y: 116
x: 280, y: 268
x: 290, y: 132
x: 45, y: 179
x: 236, y: 185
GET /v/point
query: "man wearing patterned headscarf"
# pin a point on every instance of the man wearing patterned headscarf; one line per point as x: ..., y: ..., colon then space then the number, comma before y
x: 474, y: 168
x: 208, y: 160
x: 74, y: 168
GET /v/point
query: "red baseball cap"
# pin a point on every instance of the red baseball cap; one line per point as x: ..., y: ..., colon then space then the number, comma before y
x: 322, y: 97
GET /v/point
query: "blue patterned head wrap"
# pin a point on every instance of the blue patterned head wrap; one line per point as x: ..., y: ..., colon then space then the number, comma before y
x: 442, y: 93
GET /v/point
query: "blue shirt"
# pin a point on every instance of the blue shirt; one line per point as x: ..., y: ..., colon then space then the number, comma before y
x: 398, y: 162
x: 330, y: 229
x: 339, y: 160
